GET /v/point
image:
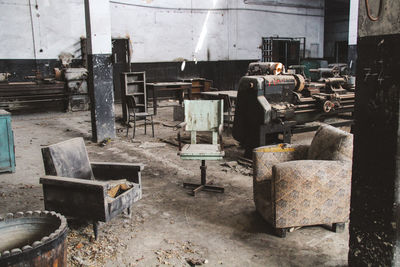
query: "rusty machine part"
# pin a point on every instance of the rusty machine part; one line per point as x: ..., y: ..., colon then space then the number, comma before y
x: 263, y: 68
x: 4, y: 76
x: 33, y: 239
x: 269, y: 105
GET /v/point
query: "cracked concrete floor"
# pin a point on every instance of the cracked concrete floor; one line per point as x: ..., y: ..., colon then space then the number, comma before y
x: 168, y: 227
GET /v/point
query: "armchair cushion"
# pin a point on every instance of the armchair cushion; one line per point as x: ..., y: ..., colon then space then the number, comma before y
x: 201, y: 151
x: 67, y: 159
x: 309, y: 192
x: 330, y: 143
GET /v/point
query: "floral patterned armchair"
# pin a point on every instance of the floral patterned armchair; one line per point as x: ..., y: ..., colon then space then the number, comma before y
x: 299, y: 185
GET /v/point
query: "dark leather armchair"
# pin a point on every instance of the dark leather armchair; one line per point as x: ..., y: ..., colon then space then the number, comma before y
x: 77, y: 188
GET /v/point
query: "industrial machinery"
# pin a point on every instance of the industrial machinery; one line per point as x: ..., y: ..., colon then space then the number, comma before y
x: 272, y: 102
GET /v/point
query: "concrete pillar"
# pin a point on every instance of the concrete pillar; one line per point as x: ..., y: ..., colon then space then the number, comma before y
x: 98, y: 33
x: 352, y: 40
x: 375, y: 204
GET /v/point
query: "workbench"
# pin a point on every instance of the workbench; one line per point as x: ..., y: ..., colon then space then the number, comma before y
x: 179, y: 87
x: 199, y: 85
x: 31, y: 95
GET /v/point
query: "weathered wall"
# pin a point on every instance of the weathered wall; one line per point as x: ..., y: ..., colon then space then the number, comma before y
x: 375, y: 197
x: 54, y: 26
x: 389, y: 20
x: 161, y: 30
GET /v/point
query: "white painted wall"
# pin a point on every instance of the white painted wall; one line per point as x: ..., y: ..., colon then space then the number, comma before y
x: 57, y: 27
x: 98, y: 26
x: 353, y: 22
x: 161, y: 30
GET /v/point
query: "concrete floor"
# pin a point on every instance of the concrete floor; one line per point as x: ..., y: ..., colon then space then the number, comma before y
x: 167, y: 226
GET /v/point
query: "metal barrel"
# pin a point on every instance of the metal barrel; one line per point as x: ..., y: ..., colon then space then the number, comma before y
x: 33, y: 239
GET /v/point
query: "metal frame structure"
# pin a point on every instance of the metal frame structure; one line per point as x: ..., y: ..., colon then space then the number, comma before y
x: 267, y: 48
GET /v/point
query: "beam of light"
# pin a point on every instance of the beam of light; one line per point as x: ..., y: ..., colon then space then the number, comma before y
x: 202, y: 34
x: 204, y: 30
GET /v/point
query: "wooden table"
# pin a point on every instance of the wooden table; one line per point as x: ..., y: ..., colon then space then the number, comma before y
x: 178, y: 87
x: 199, y: 85
x: 229, y: 104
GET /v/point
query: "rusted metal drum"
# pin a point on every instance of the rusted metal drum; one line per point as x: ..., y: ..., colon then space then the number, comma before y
x: 33, y: 239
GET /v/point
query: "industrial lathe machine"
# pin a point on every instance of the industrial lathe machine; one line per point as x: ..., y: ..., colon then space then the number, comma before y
x: 273, y: 103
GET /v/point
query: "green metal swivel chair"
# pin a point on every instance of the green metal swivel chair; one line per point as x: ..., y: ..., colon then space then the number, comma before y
x: 203, y: 116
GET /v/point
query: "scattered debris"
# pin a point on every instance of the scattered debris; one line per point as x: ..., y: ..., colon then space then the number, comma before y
x: 26, y: 186
x: 238, y: 166
x: 194, y: 262
x: 170, y: 141
x: 180, y: 254
x: 168, y: 125
x: 118, y: 187
x: 230, y: 164
x: 79, y: 245
x: 151, y: 145
x: 245, y: 161
x: 105, y: 142
x: 84, y: 251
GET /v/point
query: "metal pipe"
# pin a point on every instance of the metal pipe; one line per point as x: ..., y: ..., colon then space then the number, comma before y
x: 33, y: 36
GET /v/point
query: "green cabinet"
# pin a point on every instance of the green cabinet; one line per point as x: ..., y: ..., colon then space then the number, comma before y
x: 7, y: 155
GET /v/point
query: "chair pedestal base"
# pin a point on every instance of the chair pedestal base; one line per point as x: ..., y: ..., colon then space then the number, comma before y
x: 200, y: 187
x: 203, y: 186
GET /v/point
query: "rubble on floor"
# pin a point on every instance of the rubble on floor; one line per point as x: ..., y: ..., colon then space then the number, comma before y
x: 237, y: 166
x: 180, y: 254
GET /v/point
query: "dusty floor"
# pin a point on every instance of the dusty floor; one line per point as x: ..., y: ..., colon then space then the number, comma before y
x: 167, y: 226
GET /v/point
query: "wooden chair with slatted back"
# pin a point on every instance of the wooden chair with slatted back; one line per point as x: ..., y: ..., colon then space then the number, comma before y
x: 138, y: 111
x: 202, y: 116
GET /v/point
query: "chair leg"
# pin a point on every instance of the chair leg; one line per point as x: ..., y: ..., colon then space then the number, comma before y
x: 145, y: 125
x: 152, y: 124
x: 229, y: 120
x: 127, y: 126
x: 281, y: 232
x: 203, y: 185
x: 134, y: 126
x: 96, y: 229
x: 129, y: 212
x: 203, y: 171
x: 338, y: 227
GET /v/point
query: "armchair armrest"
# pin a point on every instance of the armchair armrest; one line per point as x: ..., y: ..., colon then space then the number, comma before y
x: 73, y: 182
x: 307, y: 192
x: 265, y: 157
x: 79, y: 198
x: 116, y: 171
